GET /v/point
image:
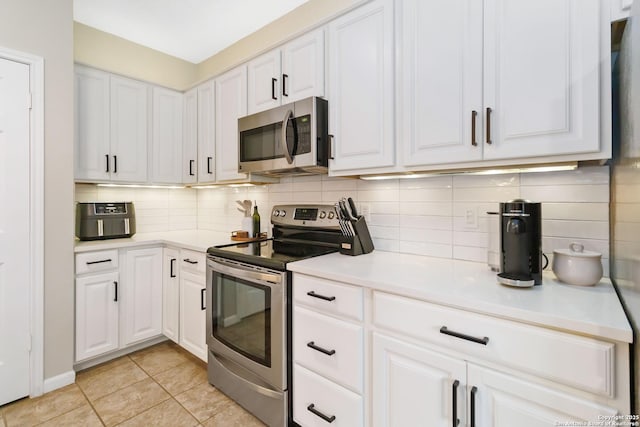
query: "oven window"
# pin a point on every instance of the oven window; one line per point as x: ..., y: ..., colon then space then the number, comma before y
x: 242, y: 317
x: 262, y: 143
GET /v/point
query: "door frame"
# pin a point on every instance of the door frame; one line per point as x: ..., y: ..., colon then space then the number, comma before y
x: 36, y: 214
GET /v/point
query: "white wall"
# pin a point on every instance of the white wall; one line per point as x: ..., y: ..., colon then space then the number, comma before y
x: 420, y: 216
x: 45, y: 28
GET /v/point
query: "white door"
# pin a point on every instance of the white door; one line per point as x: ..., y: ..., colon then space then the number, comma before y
x: 129, y: 109
x: 263, y: 75
x: 303, y: 67
x: 502, y: 400
x: 361, y: 92
x: 141, y: 309
x: 166, y: 145
x: 171, y: 294
x: 231, y: 103
x: 92, y: 150
x: 541, y: 77
x: 193, y: 314
x: 14, y: 231
x: 96, y: 314
x: 206, y: 133
x: 190, y: 138
x: 413, y: 386
x: 440, y: 115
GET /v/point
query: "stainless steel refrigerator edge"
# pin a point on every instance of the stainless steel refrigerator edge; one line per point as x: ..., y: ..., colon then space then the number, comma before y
x: 625, y: 184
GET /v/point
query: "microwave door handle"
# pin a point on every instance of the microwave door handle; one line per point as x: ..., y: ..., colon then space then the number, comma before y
x: 283, y: 140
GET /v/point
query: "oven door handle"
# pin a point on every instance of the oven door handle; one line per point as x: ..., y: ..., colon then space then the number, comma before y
x: 244, y: 273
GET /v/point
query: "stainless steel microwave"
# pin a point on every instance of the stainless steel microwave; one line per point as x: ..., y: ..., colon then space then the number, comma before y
x: 292, y: 139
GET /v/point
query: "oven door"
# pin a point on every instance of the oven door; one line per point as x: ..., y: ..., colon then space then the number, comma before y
x: 246, y: 318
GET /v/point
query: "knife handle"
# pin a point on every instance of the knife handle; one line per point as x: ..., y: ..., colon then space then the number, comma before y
x: 352, y: 205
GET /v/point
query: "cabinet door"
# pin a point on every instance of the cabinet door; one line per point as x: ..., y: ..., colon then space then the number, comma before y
x: 171, y: 294
x: 361, y: 101
x: 166, y: 158
x: 141, y: 314
x: 415, y: 386
x: 96, y: 315
x: 263, y: 87
x: 193, y: 314
x: 92, y: 161
x: 303, y: 67
x: 505, y: 401
x: 129, y: 110
x: 231, y: 103
x: 541, y: 77
x: 441, y: 81
x: 206, y: 133
x: 190, y: 138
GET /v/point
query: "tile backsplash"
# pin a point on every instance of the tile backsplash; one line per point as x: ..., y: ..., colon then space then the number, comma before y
x: 443, y: 216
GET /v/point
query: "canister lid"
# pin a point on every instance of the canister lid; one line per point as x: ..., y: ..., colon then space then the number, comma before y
x: 577, y: 250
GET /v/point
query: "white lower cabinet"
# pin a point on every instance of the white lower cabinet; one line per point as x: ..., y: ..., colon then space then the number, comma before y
x: 412, y: 384
x: 96, y: 315
x: 397, y: 361
x: 141, y: 309
x: 171, y: 294
x: 328, y: 353
x: 319, y: 401
x: 501, y: 400
x: 193, y: 303
x: 121, y: 307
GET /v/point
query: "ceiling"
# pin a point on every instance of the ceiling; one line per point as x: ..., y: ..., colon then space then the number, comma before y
x: 192, y: 30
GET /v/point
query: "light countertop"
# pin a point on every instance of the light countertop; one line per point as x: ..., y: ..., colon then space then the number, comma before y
x: 472, y: 286
x: 195, y: 240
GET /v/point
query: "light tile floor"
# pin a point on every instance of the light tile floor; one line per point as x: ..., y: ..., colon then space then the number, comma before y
x: 162, y: 385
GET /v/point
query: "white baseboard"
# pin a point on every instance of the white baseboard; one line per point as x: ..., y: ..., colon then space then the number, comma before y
x: 59, y: 381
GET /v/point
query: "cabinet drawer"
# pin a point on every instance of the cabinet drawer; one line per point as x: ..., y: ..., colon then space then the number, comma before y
x: 327, y: 398
x: 193, y: 261
x: 89, y: 262
x: 313, y: 333
x: 331, y: 297
x: 581, y: 362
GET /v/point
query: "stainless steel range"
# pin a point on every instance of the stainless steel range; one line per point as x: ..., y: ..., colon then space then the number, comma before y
x: 249, y: 308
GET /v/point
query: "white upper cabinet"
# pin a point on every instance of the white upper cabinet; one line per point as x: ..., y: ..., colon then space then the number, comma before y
x: 190, y: 138
x: 110, y: 127
x: 287, y: 74
x: 166, y: 158
x: 231, y: 103
x: 263, y: 75
x: 206, y: 133
x: 481, y: 81
x: 92, y: 142
x: 440, y: 85
x: 129, y: 110
x: 541, y: 77
x: 303, y: 67
x: 361, y: 90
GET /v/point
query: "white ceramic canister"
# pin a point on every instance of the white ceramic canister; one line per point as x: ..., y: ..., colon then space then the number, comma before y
x: 576, y: 266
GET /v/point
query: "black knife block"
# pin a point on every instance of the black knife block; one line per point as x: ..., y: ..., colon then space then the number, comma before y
x: 359, y: 244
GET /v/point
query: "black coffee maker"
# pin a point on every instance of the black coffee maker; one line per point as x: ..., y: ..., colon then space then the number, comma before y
x: 521, y: 243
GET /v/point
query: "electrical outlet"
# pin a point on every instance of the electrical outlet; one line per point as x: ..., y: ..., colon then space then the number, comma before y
x: 471, y: 218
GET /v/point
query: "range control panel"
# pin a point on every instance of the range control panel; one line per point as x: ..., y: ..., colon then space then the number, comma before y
x: 305, y: 216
